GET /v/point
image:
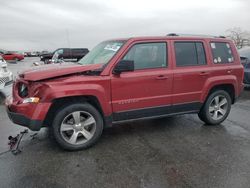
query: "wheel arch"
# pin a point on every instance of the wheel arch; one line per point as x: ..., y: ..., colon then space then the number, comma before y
x: 228, y: 87
x: 59, y: 103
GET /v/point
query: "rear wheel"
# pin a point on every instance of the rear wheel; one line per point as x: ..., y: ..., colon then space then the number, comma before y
x: 77, y: 126
x: 216, y: 108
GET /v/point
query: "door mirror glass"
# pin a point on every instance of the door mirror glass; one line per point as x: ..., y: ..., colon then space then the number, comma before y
x: 124, y: 66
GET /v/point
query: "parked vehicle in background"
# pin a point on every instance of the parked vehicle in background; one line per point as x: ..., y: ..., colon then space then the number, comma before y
x: 6, y: 79
x: 27, y: 54
x: 35, y: 54
x: 31, y: 54
x: 65, y: 54
x: 45, y: 57
x: 44, y: 52
x: 245, y: 60
x: 126, y: 80
x: 8, y: 56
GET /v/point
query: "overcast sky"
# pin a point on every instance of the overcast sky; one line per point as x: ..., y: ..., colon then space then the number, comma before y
x: 50, y: 24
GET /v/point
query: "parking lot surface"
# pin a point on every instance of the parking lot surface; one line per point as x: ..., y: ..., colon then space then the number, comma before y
x: 169, y: 152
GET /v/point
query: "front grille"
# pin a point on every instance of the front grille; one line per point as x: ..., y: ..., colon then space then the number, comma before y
x: 4, y: 80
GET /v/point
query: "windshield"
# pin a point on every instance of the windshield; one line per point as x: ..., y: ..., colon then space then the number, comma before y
x: 102, y: 53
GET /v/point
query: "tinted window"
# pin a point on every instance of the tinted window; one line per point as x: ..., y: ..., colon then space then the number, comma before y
x: 148, y: 55
x: 78, y: 51
x: 201, y: 53
x: 222, y: 52
x: 189, y: 53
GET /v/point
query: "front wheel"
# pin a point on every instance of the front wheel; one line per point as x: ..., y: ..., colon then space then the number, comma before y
x: 77, y: 126
x: 216, y: 108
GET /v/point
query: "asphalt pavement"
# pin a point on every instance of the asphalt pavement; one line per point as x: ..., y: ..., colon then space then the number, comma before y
x: 169, y: 152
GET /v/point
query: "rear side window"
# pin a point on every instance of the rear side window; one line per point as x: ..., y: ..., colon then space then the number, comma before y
x: 222, y: 52
x: 78, y: 51
x: 189, y: 53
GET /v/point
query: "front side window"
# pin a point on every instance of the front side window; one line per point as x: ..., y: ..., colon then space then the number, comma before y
x: 148, y: 55
x: 57, y: 54
x: 222, y: 52
x: 102, y: 53
x: 189, y: 53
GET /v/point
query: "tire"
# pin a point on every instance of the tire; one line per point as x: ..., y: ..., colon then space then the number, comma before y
x: 16, y: 59
x: 216, y: 108
x: 77, y: 126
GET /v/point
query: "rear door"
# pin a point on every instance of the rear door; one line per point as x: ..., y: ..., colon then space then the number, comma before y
x: 146, y: 91
x: 67, y: 54
x: 191, y: 70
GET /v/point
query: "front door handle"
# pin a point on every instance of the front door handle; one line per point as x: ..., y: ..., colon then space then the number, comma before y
x: 204, y: 73
x: 161, y: 77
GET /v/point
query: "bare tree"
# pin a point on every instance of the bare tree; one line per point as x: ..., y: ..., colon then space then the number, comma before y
x: 241, y: 38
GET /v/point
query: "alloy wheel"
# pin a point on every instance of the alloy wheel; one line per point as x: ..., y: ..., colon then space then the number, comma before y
x: 78, y: 127
x: 218, y: 107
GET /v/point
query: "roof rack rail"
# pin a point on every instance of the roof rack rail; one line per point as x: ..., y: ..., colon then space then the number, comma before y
x: 222, y: 37
x: 194, y: 35
x: 172, y: 34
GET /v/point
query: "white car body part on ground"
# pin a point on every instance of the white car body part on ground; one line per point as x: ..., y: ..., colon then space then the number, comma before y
x: 6, y: 79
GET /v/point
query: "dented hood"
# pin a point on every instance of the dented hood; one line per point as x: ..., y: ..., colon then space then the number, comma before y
x: 56, y: 70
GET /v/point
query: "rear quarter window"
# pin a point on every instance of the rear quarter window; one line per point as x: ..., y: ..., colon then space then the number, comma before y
x: 78, y: 51
x: 222, y: 52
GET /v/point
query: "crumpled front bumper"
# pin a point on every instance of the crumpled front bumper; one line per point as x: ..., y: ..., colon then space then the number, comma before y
x: 34, y: 125
x: 28, y: 115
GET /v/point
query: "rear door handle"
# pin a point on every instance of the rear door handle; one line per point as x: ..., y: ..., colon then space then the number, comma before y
x: 204, y: 73
x: 229, y: 71
x: 161, y: 77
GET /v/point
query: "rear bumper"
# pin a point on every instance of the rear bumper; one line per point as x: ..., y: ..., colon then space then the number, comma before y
x: 34, y: 125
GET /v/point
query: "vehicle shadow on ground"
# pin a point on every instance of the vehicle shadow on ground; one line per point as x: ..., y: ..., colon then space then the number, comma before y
x: 127, y: 132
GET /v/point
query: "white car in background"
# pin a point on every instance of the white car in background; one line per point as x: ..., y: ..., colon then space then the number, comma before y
x: 6, y: 79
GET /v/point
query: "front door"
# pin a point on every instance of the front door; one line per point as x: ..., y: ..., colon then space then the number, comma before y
x: 146, y: 91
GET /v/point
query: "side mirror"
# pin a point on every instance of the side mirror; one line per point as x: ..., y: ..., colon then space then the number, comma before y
x: 124, y: 66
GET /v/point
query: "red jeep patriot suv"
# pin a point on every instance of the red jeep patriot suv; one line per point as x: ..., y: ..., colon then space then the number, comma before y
x: 129, y: 79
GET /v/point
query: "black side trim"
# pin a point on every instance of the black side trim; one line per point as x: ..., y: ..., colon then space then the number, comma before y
x: 157, y: 111
x: 34, y: 125
x: 195, y: 106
